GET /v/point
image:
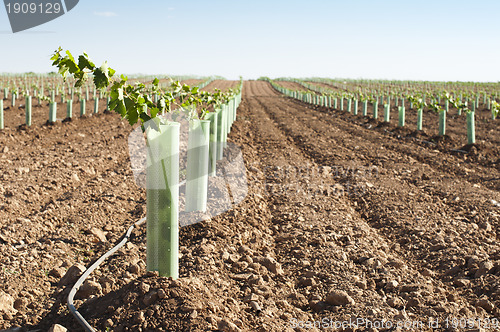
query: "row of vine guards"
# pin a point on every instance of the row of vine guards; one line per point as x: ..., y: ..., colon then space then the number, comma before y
x: 330, y: 101
x: 207, y: 139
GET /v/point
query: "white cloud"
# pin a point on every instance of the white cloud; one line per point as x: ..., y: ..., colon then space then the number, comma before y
x: 105, y: 14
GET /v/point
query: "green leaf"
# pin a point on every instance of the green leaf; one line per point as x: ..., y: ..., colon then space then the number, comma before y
x: 70, y: 64
x: 132, y: 115
x: 120, y: 108
x: 57, y: 54
x: 85, y: 63
x: 129, y: 103
x: 144, y: 117
x: 100, y: 79
x: 154, y: 111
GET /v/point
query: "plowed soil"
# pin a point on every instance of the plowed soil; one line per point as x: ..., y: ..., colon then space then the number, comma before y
x: 345, y: 223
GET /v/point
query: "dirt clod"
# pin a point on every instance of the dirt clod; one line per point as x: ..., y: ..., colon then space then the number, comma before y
x: 72, y: 275
x: 339, y: 298
x: 57, y: 328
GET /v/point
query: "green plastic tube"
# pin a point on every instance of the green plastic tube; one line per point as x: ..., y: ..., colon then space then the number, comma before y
x: 229, y: 112
x: 420, y: 112
x: 13, y: 99
x: 447, y: 106
x: 365, y: 108
x: 82, y: 106
x: 387, y: 113
x: 442, y: 123
x: 52, y: 96
x: 349, y: 104
x: 355, y: 111
x: 341, y: 104
x: 234, y: 108
x: 108, y: 99
x: 335, y: 103
x: 473, y: 106
x: 401, y: 117
x: 28, y: 110
x: 1, y: 114
x: 69, y: 109
x: 212, y: 150
x: 5, y: 93
x: 375, y: 110
x: 197, y: 165
x: 225, y: 123
x: 52, y: 112
x: 220, y: 134
x: 162, y: 194
x: 471, y: 128
x: 96, y: 106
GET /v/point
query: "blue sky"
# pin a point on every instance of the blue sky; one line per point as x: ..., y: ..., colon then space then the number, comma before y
x: 421, y: 40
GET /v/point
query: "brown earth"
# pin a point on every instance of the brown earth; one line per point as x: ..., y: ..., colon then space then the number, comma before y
x: 221, y: 85
x: 292, y: 85
x: 327, y: 86
x: 343, y: 220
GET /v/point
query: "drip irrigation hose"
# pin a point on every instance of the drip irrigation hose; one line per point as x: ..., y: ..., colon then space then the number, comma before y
x: 81, y: 280
x: 94, y: 266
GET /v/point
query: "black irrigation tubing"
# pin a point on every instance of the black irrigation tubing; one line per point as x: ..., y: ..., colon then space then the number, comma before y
x: 81, y: 280
x: 94, y: 266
